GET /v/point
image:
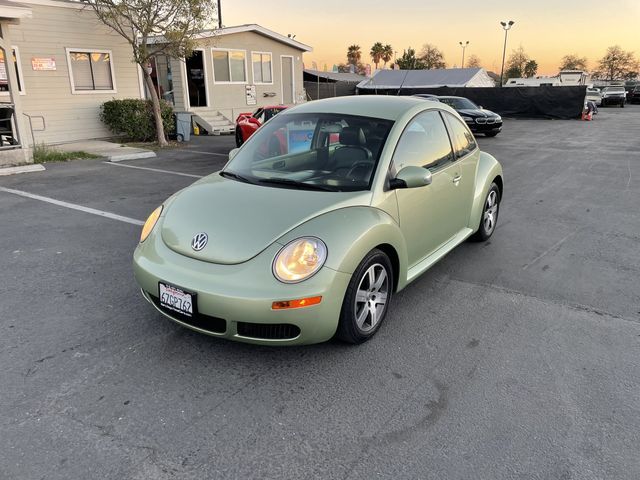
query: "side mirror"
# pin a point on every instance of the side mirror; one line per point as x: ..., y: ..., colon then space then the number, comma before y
x: 411, y: 177
x: 233, y: 153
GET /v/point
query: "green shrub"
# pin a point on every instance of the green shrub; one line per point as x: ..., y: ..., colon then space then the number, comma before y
x: 133, y: 118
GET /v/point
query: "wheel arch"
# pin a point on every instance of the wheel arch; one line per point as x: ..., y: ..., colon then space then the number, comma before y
x: 391, y: 252
x: 489, y: 170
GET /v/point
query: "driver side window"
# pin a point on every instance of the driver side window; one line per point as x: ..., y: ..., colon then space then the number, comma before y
x: 424, y: 143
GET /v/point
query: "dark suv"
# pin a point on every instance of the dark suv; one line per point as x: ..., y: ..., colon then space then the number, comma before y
x: 634, y: 95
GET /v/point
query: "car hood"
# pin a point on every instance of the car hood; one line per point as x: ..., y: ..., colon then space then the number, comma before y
x: 241, y: 219
x: 477, y: 113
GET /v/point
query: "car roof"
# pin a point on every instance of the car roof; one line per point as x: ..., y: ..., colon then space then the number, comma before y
x: 388, y: 107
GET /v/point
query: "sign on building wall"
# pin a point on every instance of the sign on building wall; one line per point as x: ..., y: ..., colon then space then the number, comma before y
x: 251, y: 94
x: 43, y: 63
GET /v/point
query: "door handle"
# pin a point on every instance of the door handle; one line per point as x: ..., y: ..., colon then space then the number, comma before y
x: 457, y: 178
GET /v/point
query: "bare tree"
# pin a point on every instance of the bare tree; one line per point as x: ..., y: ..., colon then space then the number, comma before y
x: 573, y: 62
x: 617, y: 64
x: 432, y: 57
x: 474, y: 61
x: 153, y: 27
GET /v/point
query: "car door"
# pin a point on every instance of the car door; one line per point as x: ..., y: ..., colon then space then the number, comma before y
x: 467, y: 155
x: 425, y: 212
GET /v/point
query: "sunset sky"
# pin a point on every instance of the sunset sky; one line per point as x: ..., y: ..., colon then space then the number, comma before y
x: 547, y: 29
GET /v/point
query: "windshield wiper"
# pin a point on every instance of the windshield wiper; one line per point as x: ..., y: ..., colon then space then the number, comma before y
x: 235, y: 176
x: 297, y: 184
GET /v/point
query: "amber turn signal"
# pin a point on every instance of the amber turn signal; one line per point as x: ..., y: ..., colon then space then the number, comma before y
x: 303, y: 302
x: 150, y: 223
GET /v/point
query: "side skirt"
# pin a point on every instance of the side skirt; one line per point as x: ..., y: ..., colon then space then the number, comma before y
x: 427, y: 262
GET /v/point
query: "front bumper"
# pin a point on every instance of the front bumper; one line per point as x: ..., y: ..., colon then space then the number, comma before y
x: 241, y: 295
x: 485, y: 127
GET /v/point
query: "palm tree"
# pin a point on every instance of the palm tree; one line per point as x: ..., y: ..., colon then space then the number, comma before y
x: 354, y: 55
x: 376, y: 53
x: 387, y: 54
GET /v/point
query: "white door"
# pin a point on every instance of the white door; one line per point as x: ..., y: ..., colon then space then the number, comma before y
x: 287, y: 81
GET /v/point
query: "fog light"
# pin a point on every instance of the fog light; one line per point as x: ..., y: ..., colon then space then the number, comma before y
x: 300, y: 303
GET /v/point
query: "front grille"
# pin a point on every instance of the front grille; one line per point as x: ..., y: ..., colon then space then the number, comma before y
x: 481, y: 120
x: 198, y: 320
x: 268, y: 331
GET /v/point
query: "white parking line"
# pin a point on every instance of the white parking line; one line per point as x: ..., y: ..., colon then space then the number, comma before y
x: 73, y: 206
x: 207, y: 153
x: 153, y: 170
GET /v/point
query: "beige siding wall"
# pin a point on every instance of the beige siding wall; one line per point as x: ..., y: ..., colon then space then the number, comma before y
x: 49, y: 33
x: 230, y: 99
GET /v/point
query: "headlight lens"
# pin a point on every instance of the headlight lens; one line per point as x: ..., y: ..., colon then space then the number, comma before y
x: 498, y: 118
x: 299, y: 259
x: 468, y: 119
x: 150, y: 223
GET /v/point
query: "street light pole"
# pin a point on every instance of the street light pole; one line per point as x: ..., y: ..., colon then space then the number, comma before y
x: 464, y: 46
x: 219, y: 14
x: 506, y: 26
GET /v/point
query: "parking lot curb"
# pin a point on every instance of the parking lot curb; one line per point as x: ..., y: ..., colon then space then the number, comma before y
x: 21, y: 169
x: 131, y: 156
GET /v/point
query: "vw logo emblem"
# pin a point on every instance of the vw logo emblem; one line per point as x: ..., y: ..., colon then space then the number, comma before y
x: 199, y: 241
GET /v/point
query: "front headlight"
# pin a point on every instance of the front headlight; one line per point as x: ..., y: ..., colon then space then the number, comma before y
x: 299, y: 259
x: 150, y: 223
x: 468, y: 119
x: 498, y: 118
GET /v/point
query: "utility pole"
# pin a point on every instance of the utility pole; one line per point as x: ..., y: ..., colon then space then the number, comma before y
x: 506, y: 27
x: 219, y: 14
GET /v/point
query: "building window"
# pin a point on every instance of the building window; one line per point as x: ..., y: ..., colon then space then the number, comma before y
x: 90, y: 71
x: 262, y: 71
x: 4, y: 78
x: 229, y: 66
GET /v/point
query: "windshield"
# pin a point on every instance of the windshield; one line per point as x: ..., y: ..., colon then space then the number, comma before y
x: 459, y: 103
x: 614, y: 89
x: 315, y: 151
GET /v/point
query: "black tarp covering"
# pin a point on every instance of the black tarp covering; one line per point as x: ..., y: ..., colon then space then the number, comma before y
x: 522, y: 102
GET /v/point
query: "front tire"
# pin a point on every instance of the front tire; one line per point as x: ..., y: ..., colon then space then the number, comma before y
x: 239, y: 139
x: 489, y: 216
x: 367, y: 298
x: 491, y: 134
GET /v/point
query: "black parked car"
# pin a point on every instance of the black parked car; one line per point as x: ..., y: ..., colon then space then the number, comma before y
x: 634, y: 95
x: 477, y: 118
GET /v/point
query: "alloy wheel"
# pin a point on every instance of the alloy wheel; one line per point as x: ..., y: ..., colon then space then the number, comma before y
x: 371, y: 297
x: 490, y: 212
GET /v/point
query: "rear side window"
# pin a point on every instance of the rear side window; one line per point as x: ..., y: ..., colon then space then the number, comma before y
x: 424, y: 143
x: 462, y: 139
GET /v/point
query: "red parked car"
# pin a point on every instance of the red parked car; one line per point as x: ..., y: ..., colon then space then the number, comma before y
x: 248, y: 123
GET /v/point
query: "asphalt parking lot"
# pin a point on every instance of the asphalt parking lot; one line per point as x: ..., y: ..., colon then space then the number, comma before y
x: 516, y: 358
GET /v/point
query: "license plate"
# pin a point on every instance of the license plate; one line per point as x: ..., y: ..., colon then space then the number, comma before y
x: 176, y: 299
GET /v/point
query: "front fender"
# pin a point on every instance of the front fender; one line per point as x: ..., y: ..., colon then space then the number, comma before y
x: 352, y: 232
x: 488, y: 169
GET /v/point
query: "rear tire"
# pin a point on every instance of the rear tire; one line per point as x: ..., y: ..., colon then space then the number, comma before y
x: 239, y: 139
x: 489, y: 216
x: 367, y: 298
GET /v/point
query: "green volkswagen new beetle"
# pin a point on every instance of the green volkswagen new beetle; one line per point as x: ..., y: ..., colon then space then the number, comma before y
x: 325, y: 213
